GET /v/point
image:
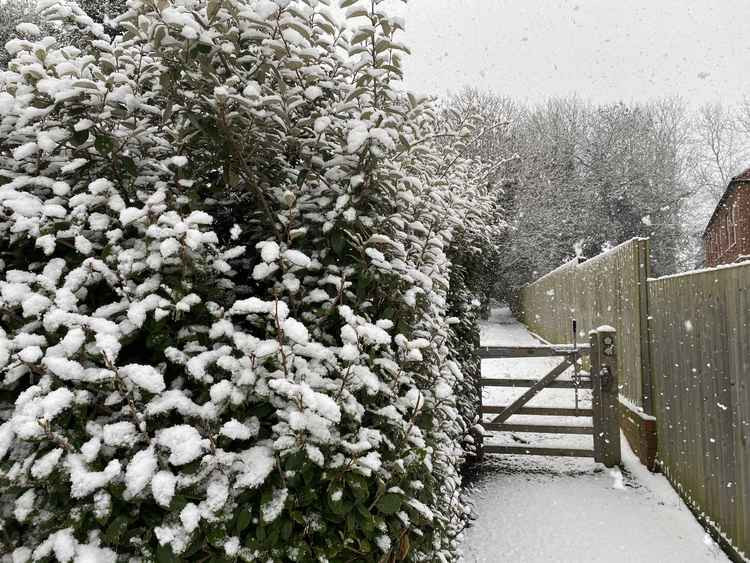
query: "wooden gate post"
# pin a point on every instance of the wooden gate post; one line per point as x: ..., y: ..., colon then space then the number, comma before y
x: 478, y: 436
x: 605, y: 396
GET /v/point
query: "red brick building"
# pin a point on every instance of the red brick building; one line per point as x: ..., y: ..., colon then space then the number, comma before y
x: 727, y: 236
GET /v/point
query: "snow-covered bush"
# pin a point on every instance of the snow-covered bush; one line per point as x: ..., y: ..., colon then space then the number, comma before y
x: 11, y: 15
x: 472, y: 255
x: 226, y: 291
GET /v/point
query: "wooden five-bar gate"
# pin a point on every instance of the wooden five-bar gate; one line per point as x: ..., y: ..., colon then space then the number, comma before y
x: 601, y: 379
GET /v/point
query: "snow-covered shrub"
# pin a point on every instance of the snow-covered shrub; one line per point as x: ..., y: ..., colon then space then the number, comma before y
x: 472, y: 254
x: 225, y: 290
x: 13, y: 14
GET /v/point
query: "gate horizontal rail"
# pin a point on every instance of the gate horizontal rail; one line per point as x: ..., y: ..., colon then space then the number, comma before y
x: 539, y: 411
x: 558, y: 384
x: 522, y: 450
x: 542, y: 351
x: 540, y: 428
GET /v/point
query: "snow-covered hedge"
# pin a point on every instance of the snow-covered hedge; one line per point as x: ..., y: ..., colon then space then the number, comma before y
x: 226, y: 294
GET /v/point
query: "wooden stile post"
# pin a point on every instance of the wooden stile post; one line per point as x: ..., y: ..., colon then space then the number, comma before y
x: 605, y: 396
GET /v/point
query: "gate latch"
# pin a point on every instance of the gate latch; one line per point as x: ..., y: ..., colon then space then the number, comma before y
x: 605, y: 376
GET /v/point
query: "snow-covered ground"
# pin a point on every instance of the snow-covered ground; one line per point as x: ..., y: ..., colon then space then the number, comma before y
x: 531, y: 509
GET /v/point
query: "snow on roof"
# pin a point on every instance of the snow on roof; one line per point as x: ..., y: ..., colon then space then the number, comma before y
x: 733, y: 183
x: 744, y: 176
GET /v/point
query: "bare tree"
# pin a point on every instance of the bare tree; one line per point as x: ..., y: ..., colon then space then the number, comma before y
x: 722, y: 147
x: 584, y: 178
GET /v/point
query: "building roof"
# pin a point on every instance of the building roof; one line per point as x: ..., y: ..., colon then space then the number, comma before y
x: 738, y: 180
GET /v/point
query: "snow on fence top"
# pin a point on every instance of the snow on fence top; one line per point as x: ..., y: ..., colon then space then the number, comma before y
x: 562, y: 267
x: 612, y: 250
x: 744, y: 263
x: 581, y: 259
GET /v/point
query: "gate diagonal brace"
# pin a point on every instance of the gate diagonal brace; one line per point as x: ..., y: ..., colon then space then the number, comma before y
x: 516, y: 405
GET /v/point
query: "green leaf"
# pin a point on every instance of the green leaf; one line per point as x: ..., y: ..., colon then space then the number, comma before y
x: 338, y: 243
x: 325, y: 26
x: 356, y: 93
x: 389, y: 503
x: 195, y: 547
x: 358, y: 12
x: 298, y: 517
x: 301, y: 29
x: 351, y: 523
x: 164, y: 554
x: 365, y: 546
x: 213, y: 9
x: 103, y: 144
x: 286, y: 529
x: 358, y: 485
x: 294, y: 461
x: 178, y: 503
x: 243, y: 520
x: 347, y: 3
x: 366, y: 518
x: 80, y: 137
x: 129, y: 165
x: 273, y: 532
x: 159, y: 33
x: 361, y: 36
x: 216, y: 536
x: 340, y: 507
x: 116, y: 528
x: 87, y: 84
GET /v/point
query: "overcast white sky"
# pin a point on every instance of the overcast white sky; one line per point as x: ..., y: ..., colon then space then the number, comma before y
x: 603, y: 50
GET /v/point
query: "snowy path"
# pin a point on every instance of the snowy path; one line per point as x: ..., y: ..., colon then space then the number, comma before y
x: 538, y: 510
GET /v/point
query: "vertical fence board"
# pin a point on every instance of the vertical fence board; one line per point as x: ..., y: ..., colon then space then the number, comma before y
x: 644, y: 273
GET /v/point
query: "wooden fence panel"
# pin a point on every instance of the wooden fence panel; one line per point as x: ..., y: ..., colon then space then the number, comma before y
x: 700, y: 348
x: 547, y: 303
x: 740, y: 396
x: 609, y: 289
